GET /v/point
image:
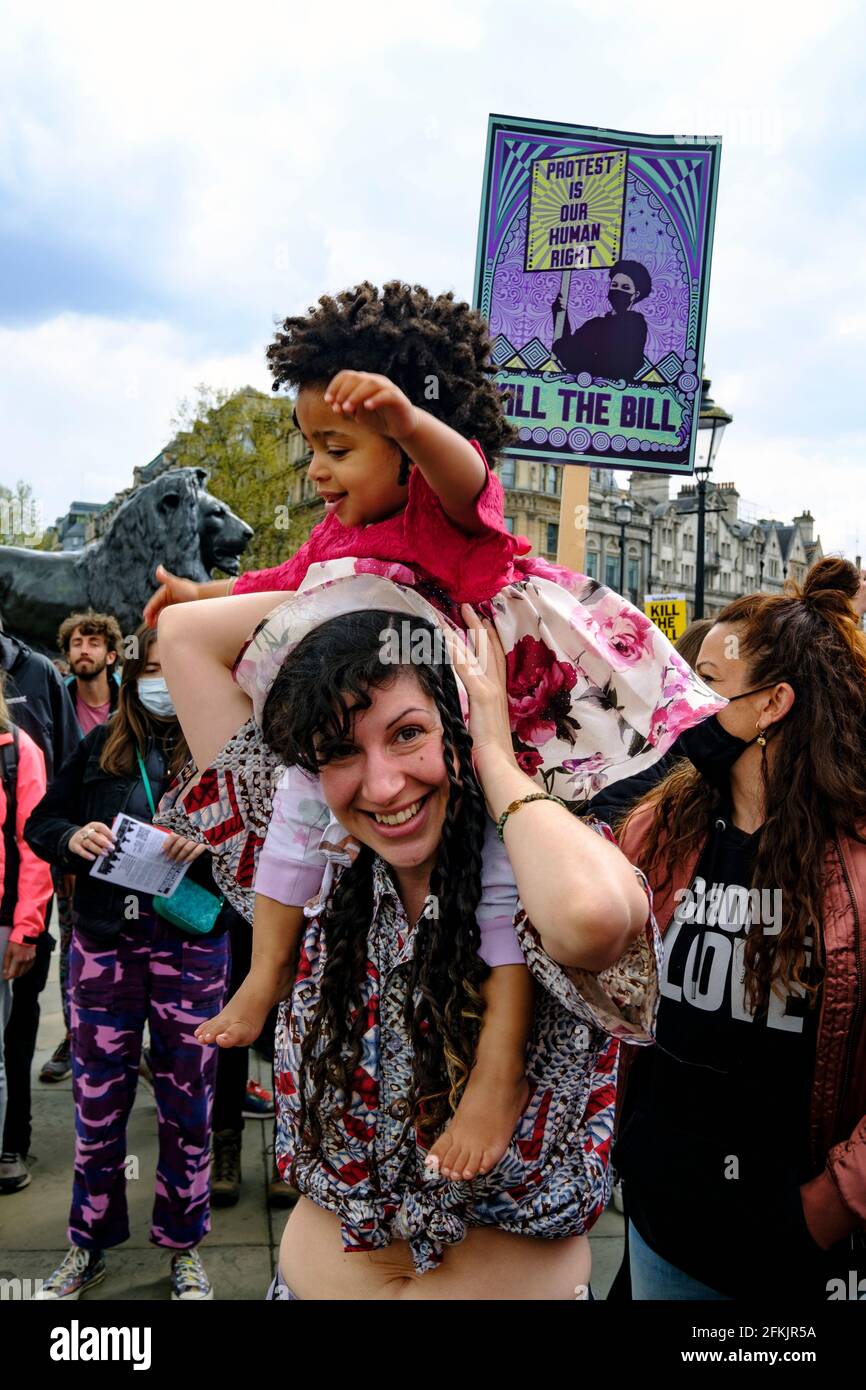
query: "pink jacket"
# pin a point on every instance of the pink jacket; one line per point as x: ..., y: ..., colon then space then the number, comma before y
x: 34, y: 876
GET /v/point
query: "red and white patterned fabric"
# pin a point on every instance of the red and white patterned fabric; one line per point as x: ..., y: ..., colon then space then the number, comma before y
x: 553, y: 1181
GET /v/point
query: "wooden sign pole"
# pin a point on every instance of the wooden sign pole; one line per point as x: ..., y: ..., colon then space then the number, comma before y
x: 573, y: 516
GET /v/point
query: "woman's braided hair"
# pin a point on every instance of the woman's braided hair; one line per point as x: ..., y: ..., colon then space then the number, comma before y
x: 307, y: 717
x: 435, y: 348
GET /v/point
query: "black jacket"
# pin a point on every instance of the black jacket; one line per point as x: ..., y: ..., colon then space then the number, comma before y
x: 38, y: 701
x: 615, y: 801
x: 80, y: 792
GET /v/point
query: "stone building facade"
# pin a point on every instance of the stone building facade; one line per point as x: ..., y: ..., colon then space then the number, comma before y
x: 741, y: 555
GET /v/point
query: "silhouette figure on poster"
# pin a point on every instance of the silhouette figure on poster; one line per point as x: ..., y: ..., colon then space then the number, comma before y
x: 611, y: 345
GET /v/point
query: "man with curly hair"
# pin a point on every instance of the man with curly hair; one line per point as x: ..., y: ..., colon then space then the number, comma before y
x: 91, y: 643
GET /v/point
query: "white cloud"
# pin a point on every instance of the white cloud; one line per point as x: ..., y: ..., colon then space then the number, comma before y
x: 84, y: 400
x: 238, y: 163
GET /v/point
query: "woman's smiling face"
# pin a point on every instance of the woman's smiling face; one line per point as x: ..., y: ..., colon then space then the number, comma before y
x: 388, y: 785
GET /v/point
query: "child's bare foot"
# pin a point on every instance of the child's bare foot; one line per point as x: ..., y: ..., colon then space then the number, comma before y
x: 243, y: 1018
x: 482, y: 1127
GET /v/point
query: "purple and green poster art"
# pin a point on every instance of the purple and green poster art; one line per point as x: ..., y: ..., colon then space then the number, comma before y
x: 592, y: 270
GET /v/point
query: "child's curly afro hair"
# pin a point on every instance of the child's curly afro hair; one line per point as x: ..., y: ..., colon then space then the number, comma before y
x: 436, y: 349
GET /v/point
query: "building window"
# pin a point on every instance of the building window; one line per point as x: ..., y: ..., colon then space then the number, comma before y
x: 590, y: 564
x: 552, y: 537
x: 506, y: 472
x: 509, y: 524
x: 552, y: 478
x: 611, y: 571
x: 633, y: 579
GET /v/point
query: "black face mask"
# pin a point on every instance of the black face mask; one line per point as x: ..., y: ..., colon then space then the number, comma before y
x: 620, y: 300
x: 712, y: 750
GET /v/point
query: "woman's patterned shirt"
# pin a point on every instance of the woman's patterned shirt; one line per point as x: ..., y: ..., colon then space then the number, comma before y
x: 553, y: 1181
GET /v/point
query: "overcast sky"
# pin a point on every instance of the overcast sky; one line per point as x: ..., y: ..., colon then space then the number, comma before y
x: 175, y: 177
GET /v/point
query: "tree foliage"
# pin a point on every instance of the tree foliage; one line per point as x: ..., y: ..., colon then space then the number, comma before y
x: 245, y: 440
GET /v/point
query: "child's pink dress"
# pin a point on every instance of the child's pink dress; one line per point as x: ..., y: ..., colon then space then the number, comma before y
x: 596, y: 692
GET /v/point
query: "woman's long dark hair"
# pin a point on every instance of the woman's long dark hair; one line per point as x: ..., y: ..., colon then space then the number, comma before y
x: 308, y: 714
x: 814, y: 786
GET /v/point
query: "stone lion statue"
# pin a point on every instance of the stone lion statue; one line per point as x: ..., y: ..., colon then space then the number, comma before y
x: 174, y: 521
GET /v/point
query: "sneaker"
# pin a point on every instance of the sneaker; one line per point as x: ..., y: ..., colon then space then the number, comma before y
x: 225, y: 1173
x: 59, y: 1064
x: 258, y: 1103
x: 280, y: 1193
x: 14, y: 1173
x: 188, y: 1278
x: 78, y: 1271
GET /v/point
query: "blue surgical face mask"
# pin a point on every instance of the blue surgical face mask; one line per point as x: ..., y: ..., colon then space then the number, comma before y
x: 154, y: 695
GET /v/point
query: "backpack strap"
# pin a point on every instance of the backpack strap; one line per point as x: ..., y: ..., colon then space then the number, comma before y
x: 9, y: 769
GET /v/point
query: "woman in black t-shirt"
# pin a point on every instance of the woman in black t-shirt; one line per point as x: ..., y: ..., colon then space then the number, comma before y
x: 742, y: 1139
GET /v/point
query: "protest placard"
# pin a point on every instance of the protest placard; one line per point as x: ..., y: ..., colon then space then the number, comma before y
x: 668, y: 612
x: 593, y: 270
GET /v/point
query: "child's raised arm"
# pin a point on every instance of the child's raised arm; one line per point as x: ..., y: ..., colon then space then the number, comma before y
x: 449, y: 463
x: 198, y: 646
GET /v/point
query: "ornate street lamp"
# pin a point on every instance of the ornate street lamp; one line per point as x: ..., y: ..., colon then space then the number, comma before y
x: 622, y: 513
x: 712, y: 423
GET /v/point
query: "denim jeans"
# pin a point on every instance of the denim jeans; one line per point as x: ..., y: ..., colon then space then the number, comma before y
x: 653, y: 1278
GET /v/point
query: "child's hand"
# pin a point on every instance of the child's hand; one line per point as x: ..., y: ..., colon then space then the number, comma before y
x: 377, y: 401
x: 172, y: 589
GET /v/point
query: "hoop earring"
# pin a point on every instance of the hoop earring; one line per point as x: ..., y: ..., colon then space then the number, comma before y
x: 761, y: 740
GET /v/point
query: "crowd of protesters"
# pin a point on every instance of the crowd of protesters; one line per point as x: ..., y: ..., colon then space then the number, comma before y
x: 743, y: 798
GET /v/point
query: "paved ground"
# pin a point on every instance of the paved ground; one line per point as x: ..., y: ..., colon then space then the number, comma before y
x: 240, y: 1251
